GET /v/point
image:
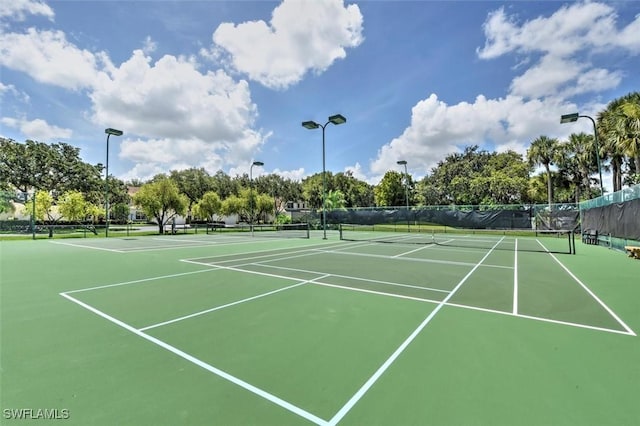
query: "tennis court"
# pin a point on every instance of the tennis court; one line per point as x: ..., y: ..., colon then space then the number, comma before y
x: 227, y: 329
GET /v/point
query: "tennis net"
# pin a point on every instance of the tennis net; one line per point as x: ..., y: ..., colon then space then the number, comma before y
x: 284, y: 230
x: 529, y: 240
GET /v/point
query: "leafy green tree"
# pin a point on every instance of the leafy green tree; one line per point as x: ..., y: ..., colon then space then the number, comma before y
x: 543, y: 152
x: 118, y: 193
x: 56, y: 168
x: 611, y: 135
x: 312, y: 189
x: 234, y: 205
x: 390, y: 190
x: 263, y: 206
x: 45, y: 210
x: 193, y: 183
x: 576, y: 161
x: 335, y: 200
x: 282, y: 190
x: 208, y: 207
x: 6, y: 205
x: 224, y: 185
x: 357, y: 193
x: 73, y: 207
x: 630, y: 121
x: 120, y: 212
x: 618, y: 128
x: 161, y: 200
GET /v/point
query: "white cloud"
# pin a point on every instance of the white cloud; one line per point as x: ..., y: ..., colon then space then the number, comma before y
x: 37, y: 129
x: 579, y: 26
x: 171, y: 98
x: 11, y: 89
x: 149, y: 46
x: 565, y: 39
x: 143, y: 171
x: 438, y: 129
x: 295, y: 175
x: 358, y: 173
x: 537, y: 97
x: 628, y: 37
x: 302, y: 36
x: 190, y: 117
x: 49, y: 58
x: 19, y: 9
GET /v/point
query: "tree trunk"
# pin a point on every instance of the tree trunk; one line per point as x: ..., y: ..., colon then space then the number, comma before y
x: 549, y: 189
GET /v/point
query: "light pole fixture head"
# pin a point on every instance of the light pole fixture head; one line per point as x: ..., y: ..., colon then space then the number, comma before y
x: 114, y: 132
x: 569, y: 118
x: 310, y: 125
x: 337, y: 119
x: 257, y: 163
x: 402, y: 162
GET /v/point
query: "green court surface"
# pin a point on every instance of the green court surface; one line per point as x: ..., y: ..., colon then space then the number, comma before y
x: 227, y: 330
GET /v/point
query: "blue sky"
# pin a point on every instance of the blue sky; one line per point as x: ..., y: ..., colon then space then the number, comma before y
x: 219, y: 84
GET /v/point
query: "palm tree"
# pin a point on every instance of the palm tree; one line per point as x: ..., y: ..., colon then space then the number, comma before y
x: 579, y: 159
x: 543, y: 152
x: 630, y: 110
x: 335, y: 200
x: 618, y: 126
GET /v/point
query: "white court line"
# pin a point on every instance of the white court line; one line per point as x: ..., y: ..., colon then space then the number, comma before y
x: 488, y: 310
x: 414, y: 250
x: 381, y: 293
x: 412, y: 259
x: 86, y: 247
x: 253, y: 389
x: 270, y: 250
x: 625, y: 326
x: 374, y: 378
x: 211, y: 268
x: 515, y: 280
x: 237, y: 302
x: 352, y: 278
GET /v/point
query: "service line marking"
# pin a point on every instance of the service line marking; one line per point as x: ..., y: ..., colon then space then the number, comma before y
x: 237, y: 302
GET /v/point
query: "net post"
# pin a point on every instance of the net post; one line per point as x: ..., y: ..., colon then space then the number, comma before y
x: 340, y: 230
x: 307, y: 229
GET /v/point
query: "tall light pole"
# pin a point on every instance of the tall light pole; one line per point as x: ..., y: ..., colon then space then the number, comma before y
x: 259, y: 164
x: 334, y: 119
x: 109, y: 132
x: 570, y: 118
x: 406, y: 189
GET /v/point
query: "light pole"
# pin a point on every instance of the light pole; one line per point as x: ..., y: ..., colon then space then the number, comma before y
x: 259, y: 164
x: 570, y: 118
x: 335, y: 119
x: 406, y: 189
x: 109, y: 132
